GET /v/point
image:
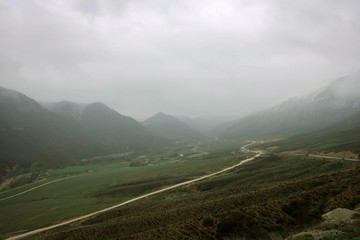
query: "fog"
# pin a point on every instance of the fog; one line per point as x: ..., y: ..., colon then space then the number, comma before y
x: 189, y: 58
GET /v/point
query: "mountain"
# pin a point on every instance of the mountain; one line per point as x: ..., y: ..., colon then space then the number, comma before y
x: 31, y: 134
x: 69, y: 110
x: 34, y: 136
x: 205, y: 124
x: 341, y: 136
x: 334, y: 103
x: 109, y: 126
x: 171, y: 128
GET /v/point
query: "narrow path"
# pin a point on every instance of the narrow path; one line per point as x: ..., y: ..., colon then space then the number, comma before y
x: 31, y: 189
x: 329, y: 157
x: 197, y: 152
x: 130, y: 201
x: 195, y: 149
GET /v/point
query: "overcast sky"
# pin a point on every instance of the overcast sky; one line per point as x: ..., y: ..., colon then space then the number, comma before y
x: 185, y: 57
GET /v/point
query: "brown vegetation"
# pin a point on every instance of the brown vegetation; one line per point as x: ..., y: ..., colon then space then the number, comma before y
x: 228, y: 206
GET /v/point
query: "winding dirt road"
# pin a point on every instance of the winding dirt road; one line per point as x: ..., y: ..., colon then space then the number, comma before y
x: 131, y: 200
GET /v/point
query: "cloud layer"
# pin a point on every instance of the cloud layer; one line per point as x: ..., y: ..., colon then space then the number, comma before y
x: 181, y: 57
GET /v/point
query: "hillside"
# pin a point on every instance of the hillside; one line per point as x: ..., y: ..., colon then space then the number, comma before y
x: 336, y: 102
x: 111, y: 128
x: 69, y: 110
x: 341, y: 136
x: 171, y: 128
x: 32, y: 136
x: 267, y: 198
x: 205, y: 124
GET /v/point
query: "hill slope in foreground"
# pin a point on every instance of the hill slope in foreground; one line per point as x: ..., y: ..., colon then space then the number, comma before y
x: 271, y: 196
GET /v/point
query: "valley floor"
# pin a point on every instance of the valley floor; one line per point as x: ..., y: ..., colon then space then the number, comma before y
x: 127, y: 202
x: 271, y: 197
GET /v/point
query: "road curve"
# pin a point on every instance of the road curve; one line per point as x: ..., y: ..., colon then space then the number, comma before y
x: 130, y: 201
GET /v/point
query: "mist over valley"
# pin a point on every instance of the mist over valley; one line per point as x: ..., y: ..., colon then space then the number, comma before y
x: 179, y: 120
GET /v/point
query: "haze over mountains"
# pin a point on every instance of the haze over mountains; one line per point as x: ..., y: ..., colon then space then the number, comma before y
x: 206, y: 125
x: 179, y: 119
x: 33, y: 136
x: 109, y: 126
x: 320, y: 109
x: 51, y: 133
x: 171, y: 128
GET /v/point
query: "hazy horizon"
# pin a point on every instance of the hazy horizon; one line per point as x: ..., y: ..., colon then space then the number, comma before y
x: 219, y: 58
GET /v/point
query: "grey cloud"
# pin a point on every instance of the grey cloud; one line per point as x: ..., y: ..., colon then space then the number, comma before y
x: 183, y: 57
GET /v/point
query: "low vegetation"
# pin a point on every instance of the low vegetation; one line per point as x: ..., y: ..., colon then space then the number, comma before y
x: 101, y: 184
x: 269, y: 197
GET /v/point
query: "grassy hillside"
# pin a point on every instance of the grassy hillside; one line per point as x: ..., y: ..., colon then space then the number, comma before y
x: 342, y: 136
x: 100, y: 185
x: 270, y: 196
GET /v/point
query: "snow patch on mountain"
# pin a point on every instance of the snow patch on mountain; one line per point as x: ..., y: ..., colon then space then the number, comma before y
x: 341, y: 94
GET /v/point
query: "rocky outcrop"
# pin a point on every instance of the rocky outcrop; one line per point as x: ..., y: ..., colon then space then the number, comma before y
x: 340, y: 215
x: 336, y: 223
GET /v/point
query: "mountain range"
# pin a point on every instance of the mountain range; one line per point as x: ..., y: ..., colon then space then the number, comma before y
x: 32, y: 135
x: 44, y: 135
x: 110, y: 127
x: 323, y: 108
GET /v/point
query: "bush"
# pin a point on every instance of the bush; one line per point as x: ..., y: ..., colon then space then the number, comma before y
x: 208, y: 222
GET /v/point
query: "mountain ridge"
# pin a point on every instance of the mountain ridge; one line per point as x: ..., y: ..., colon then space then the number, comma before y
x: 335, y: 102
x: 31, y: 134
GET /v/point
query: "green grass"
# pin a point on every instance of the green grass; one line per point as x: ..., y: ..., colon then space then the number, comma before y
x: 109, y: 184
x: 265, y: 195
x: 75, y: 170
x: 276, y: 182
x: 14, y: 191
x: 220, y: 145
x: 327, y: 141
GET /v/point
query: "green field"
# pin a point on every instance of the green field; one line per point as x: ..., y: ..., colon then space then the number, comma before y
x: 97, y: 186
x: 216, y: 145
x: 267, y: 197
x: 11, y: 192
x: 257, y: 198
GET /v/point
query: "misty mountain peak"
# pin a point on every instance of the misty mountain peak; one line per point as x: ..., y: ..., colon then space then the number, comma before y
x: 67, y: 109
x: 346, y: 87
x: 161, y: 114
x: 17, y: 100
x: 342, y: 93
x: 169, y: 127
x: 335, y: 102
x: 8, y: 93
